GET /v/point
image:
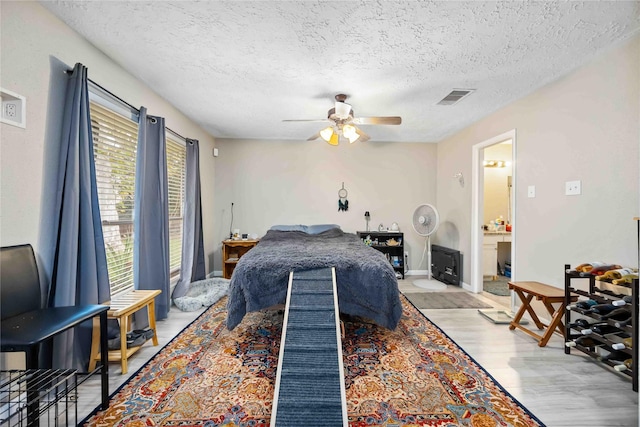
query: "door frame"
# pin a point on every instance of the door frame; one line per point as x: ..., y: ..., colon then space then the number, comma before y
x: 477, y: 207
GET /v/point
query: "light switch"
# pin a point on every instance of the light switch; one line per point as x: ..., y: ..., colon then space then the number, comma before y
x: 531, y: 191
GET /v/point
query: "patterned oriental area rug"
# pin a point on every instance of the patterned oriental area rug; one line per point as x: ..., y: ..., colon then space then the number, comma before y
x: 413, y: 376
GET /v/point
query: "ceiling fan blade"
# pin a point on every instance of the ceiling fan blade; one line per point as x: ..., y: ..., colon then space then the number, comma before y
x: 393, y: 120
x: 363, y: 136
x: 313, y: 137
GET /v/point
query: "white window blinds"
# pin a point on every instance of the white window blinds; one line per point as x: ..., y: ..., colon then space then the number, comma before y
x: 176, y: 164
x: 115, y: 139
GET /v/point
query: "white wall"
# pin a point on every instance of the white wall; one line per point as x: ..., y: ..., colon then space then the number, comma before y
x: 582, y: 127
x: 285, y: 182
x: 36, y: 50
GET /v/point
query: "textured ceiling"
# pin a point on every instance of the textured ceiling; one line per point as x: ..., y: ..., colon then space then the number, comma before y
x: 238, y: 68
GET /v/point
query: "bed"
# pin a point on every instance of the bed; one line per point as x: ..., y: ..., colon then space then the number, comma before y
x: 367, y: 284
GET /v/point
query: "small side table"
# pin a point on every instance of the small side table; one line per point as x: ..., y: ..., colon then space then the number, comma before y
x: 548, y: 295
x: 121, y: 308
x: 232, y: 251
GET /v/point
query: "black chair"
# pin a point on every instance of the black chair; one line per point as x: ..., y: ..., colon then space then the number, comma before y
x: 25, y: 324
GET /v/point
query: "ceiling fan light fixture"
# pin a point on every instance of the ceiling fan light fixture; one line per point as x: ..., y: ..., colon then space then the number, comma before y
x: 342, y: 110
x: 348, y: 130
x: 327, y: 133
x: 334, y: 140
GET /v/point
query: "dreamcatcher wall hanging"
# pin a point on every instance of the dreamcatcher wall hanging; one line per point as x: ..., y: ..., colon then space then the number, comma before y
x: 343, y: 203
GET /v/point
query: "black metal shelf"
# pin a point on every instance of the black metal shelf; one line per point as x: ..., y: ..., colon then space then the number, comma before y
x: 389, y: 250
x: 607, y: 341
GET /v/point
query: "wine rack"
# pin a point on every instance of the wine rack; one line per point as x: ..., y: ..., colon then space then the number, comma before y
x: 613, y: 339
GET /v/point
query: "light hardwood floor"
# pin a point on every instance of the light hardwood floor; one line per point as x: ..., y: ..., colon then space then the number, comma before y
x: 561, y: 390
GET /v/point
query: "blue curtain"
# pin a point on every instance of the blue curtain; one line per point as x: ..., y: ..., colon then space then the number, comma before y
x: 79, y: 275
x: 151, y: 215
x: 192, y: 265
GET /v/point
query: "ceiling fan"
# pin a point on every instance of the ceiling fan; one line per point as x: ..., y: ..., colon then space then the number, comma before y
x: 342, y: 123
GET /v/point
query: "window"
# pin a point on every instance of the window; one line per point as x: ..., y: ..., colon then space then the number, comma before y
x: 176, y: 165
x: 115, y: 141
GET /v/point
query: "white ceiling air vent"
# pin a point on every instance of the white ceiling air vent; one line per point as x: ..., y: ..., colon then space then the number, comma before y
x: 455, y: 96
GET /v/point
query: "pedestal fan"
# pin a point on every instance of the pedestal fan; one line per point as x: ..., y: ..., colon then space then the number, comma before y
x: 425, y: 222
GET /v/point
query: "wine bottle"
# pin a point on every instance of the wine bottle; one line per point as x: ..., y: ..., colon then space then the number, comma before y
x: 581, y: 323
x: 626, y: 343
x: 584, y: 305
x: 624, y: 301
x: 617, y: 314
x: 599, y: 270
x: 626, y: 279
x: 626, y: 364
x: 602, y: 308
x: 614, y: 274
x: 587, y: 267
x: 582, y: 341
x: 591, y: 327
x: 604, y: 328
x: 614, y: 356
x: 623, y: 322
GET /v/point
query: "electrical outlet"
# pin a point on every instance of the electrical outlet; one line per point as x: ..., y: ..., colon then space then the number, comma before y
x: 572, y: 188
x: 13, y: 109
x: 10, y: 110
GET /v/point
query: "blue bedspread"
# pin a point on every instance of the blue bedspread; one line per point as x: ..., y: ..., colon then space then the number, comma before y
x: 367, y: 284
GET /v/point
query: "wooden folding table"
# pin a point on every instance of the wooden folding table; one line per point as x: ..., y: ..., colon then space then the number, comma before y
x: 548, y: 295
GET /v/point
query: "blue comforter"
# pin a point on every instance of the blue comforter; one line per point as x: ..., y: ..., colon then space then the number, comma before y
x: 367, y: 284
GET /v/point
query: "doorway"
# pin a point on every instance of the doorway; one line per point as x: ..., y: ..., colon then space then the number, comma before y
x: 478, y: 264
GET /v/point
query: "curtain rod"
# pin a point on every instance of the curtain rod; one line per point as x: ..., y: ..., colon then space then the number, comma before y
x: 137, y: 110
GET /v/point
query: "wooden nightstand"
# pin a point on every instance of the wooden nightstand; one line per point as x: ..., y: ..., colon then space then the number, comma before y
x: 232, y: 251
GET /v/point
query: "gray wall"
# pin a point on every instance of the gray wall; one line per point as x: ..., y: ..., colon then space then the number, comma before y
x: 36, y: 50
x: 297, y: 182
x: 581, y: 127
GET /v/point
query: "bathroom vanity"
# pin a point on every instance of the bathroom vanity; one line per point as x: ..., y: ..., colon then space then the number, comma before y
x: 496, y: 248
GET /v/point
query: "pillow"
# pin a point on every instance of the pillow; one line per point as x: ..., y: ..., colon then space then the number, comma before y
x: 321, y: 228
x: 289, y: 228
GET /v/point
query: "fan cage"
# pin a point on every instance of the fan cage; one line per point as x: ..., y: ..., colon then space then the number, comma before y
x: 431, y: 217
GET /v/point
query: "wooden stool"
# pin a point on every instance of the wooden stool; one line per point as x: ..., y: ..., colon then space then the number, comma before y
x: 548, y: 295
x: 122, y: 307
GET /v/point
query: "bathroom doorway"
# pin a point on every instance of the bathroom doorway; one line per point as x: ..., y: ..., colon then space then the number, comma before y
x: 482, y: 152
x: 497, y: 219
